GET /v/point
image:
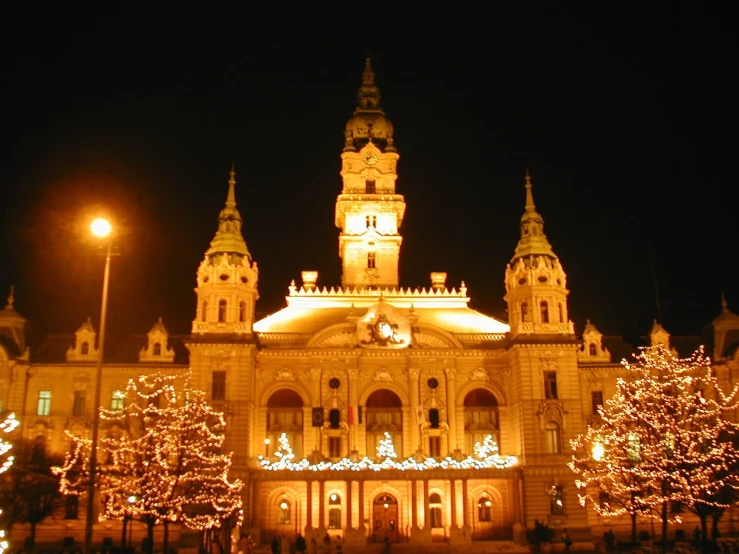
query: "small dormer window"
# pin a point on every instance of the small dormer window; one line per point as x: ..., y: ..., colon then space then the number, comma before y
x: 524, y: 311
x: 544, y: 307
x: 371, y: 221
x: 85, y: 348
x: 157, y: 348
x: 371, y: 260
x: 370, y: 187
x: 593, y: 349
x: 242, y: 311
x: 222, y: 311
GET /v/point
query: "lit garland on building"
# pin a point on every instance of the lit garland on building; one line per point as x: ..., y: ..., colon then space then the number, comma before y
x: 163, y: 458
x: 663, y: 438
x: 487, y: 457
x: 6, y: 426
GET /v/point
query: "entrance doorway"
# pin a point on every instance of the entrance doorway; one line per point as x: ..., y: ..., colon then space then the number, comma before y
x: 385, y: 518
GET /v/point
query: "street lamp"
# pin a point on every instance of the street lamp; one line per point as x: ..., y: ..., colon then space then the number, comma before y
x: 102, y: 229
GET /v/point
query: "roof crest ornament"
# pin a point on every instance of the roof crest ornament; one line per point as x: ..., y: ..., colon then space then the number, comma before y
x: 11, y: 299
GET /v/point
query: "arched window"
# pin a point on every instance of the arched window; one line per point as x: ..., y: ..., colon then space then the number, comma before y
x: 285, y: 415
x: 222, y: 311
x: 334, y: 418
x: 592, y: 349
x: 85, y: 348
x: 484, y: 513
x: 480, y: 418
x: 117, y: 400
x: 552, y: 438
x: 334, y: 511
x: 283, y: 512
x: 561, y: 313
x: 384, y: 414
x: 242, y: 311
x: 157, y: 349
x: 435, y: 508
x: 544, y: 307
x: 524, y: 312
x: 204, y: 310
x: 370, y: 187
x: 434, y: 418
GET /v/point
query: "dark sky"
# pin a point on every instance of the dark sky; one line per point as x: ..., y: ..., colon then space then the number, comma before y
x: 627, y: 123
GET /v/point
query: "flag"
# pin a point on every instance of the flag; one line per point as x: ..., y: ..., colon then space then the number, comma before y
x: 317, y: 419
x: 351, y: 415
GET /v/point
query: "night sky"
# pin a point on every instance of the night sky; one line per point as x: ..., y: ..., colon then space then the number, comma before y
x: 627, y: 124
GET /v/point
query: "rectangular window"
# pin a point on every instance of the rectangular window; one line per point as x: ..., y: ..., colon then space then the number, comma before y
x: 371, y: 220
x: 334, y: 447
x: 44, y: 403
x: 371, y: 260
x: 435, y: 447
x: 550, y: 385
x: 557, y: 503
x: 369, y: 186
x: 218, y: 388
x: 334, y: 518
x: 71, y: 506
x: 78, y: 409
x: 118, y: 400
x: 596, y: 400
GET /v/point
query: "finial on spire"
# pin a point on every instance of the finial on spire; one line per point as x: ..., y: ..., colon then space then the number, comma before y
x: 231, y: 199
x: 11, y: 299
x: 724, y: 303
x: 529, y: 193
x: 368, y: 76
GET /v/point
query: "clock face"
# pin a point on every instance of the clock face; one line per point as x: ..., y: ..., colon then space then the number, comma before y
x: 370, y: 158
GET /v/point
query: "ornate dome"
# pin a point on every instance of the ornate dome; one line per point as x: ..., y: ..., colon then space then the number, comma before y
x: 369, y: 121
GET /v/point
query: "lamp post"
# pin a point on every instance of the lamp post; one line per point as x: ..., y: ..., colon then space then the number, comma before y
x: 100, y: 228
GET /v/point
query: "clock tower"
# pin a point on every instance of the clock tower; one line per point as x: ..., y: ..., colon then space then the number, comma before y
x: 368, y: 211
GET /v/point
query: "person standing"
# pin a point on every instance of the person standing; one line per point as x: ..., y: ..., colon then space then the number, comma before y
x: 275, y: 545
x: 568, y: 542
x: 300, y: 544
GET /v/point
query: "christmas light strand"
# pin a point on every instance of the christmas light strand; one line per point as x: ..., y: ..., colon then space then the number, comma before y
x: 487, y: 457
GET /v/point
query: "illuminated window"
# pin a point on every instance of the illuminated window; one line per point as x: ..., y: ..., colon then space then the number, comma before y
x: 634, y: 447
x: 117, y: 400
x: 218, y: 386
x: 157, y: 349
x: 550, y: 385
x: 334, y: 418
x: 85, y: 348
x: 242, y: 311
x: 484, y: 514
x: 334, y: 447
x: 435, y: 505
x: 435, y: 447
x: 480, y: 418
x: 556, y: 501
x: 592, y: 349
x: 334, y: 511
x: 222, y: 311
x: 596, y: 400
x: 204, y: 311
x: 434, y: 418
x: 552, y: 438
x: 285, y: 415
x: 369, y: 186
x: 283, y: 512
x: 371, y: 260
x: 524, y: 311
x: 544, y: 307
x: 78, y: 408
x: 43, y: 408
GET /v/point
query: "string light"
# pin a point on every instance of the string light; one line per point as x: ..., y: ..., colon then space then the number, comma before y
x: 663, y: 438
x: 6, y: 426
x: 164, y: 460
x: 487, y: 457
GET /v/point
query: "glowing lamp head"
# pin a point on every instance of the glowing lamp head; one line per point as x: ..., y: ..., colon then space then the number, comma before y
x: 334, y: 497
x: 101, y: 227
x: 267, y: 441
x: 598, y: 451
x: 131, y: 499
x: 283, y: 505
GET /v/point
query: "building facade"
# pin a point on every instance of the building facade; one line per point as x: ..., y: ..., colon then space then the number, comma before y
x: 479, y: 412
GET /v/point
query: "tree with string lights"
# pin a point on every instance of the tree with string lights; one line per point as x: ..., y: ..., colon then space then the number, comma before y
x: 6, y: 461
x: 663, y: 439
x: 162, y: 459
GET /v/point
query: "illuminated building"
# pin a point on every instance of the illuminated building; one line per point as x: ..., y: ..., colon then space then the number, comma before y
x: 345, y: 373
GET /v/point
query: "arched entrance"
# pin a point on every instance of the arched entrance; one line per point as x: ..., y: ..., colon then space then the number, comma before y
x: 385, y: 518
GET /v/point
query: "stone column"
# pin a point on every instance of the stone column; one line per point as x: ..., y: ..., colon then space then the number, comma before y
x: 453, y: 501
x: 451, y: 407
x: 465, y: 505
x: 309, y: 507
x: 361, y: 504
x: 321, y: 505
x: 353, y: 374
x: 315, y: 392
x: 349, y: 523
x: 414, y: 507
x: 426, y: 508
x: 413, y: 388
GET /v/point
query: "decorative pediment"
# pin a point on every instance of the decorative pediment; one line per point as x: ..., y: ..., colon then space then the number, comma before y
x: 551, y: 411
x: 156, y: 349
x: 592, y: 349
x: 383, y: 327
x: 84, y: 348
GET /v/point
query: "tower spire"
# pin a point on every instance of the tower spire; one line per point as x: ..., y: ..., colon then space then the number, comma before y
x: 533, y: 241
x: 228, y: 238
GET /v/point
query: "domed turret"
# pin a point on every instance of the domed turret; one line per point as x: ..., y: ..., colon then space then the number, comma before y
x: 12, y: 327
x: 368, y: 121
